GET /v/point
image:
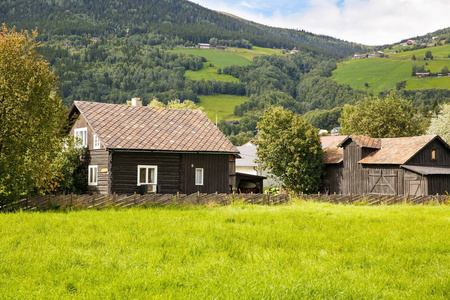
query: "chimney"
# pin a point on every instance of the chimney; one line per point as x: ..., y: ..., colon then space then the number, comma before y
x: 136, y: 101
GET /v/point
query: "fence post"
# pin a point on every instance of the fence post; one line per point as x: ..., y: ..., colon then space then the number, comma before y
x: 134, y: 198
x: 198, y: 197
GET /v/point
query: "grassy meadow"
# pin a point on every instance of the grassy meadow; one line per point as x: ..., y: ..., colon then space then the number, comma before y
x: 383, y: 73
x: 302, y: 250
x: 221, y: 105
x: 222, y: 58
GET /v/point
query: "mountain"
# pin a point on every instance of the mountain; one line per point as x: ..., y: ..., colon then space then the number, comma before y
x: 184, y: 20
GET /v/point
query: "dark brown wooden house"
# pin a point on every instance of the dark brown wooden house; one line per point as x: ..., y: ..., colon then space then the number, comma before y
x: 389, y: 166
x: 146, y: 149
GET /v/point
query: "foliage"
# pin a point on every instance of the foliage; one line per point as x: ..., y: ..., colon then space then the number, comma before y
x: 241, y: 138
x: 440, y: 124
x: 221, y: 106
x: 273, y: 252
x: 324, y: 119
x: 391, y: 116
x: 290, y: 149
x: 31, y: 119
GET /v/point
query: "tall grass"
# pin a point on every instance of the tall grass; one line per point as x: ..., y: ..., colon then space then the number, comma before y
x: 303, y: 250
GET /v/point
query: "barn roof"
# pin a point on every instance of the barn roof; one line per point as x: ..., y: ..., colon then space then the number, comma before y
x: 425, y: 170
x: 332, y: 153
x: 398, y: 151
x: 152, y: 128
x: 395, y: 151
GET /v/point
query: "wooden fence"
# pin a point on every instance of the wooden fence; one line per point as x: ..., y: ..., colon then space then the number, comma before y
x: 112, y: 200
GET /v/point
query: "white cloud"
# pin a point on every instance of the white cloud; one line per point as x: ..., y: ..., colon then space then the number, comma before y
x: 371, y: 22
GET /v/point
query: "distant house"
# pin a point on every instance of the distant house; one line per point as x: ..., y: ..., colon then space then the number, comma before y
x: 135, y: 149
x: 95, y: 39
x: 358, y: 164
x: 220, y: 47
x: 247, y: 165
x: 335, y: 131
x: 379, y: 53
x: 294, y: 51
x: 360, y: 56
x: 391, y: 52
x: 423, y: 74
x: 204, y: 46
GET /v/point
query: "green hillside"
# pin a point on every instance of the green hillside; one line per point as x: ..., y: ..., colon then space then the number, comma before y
x: 218, y: 59
x: 383, y: 73
x: 221, y: 105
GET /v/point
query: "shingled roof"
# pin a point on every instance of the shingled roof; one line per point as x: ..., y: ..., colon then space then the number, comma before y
x: 152, y: 128
x: 395, y: 151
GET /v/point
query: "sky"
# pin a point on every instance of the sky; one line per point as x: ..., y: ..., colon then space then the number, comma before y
x: 370, y: 22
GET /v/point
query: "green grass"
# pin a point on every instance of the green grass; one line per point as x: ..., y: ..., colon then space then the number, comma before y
x: 221, y: 59
x: 439, y: 51
x: 209, y: 73
x: 301, y: 251
x: 222, y: 105
x: 427, y: 83
x: 380, y: 73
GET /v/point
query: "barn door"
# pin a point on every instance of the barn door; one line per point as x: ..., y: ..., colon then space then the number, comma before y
x: 382, y: 182
x: 415, y: 187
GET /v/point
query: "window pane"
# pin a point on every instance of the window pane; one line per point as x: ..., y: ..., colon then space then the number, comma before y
x: 142, y: 175
x: 151, y: 175
x: 199, y: 176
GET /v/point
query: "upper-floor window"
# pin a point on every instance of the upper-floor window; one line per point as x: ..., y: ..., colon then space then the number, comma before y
x: 433, y: 154
x: 96, y: 142
x: 198, y: 176
x: 81, y: 136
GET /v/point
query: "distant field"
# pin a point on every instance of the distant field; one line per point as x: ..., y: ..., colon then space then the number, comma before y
x: 380, y: 73
x: 438, y: 52
x: 209, y: 73
x: 300, y: 251
x: 222, y: 58
x: 428, y: 83
x: 222, y: 105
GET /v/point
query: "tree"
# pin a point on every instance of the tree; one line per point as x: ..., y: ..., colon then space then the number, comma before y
x: 440, y: 125
x: 428, y: 55
x: 186, y: 104
x: 391, y: 116
x: 290, y: 148
x: 31, y: 118
x: 445, y: 71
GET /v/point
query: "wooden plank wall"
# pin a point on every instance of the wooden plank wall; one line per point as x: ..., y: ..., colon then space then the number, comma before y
x: 124, y: 171
x: 99, y: 158
x: 216, y: 173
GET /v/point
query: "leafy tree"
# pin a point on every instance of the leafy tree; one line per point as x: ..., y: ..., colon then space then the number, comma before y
x: 391, y: 116
x: 440, y: 125
x: 186, y: 104
x: 241, y: 138
x: 31, y: 118
x: 428, y: 55
x: 290, y: 148
x: 400, y: 85
x: 444, y: 71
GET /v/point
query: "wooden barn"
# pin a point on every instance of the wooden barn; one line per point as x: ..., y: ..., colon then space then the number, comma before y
x: 135, y: 149
x: 417, y: 165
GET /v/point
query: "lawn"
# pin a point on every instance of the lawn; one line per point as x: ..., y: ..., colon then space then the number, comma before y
x: 221, y: 105
x: 428, y: 83
x: 303, y: 250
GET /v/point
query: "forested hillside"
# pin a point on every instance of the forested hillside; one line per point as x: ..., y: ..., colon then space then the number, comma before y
x: 159, y: 20
x: 111, y: 51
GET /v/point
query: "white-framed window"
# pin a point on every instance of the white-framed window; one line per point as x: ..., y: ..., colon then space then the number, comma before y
x: 81, y: 137
x: 198, y: 176
x: 96, y: 142
x: 147, y: 175
x: 93, y: 175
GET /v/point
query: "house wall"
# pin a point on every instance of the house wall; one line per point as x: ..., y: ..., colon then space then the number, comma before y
x: 100, y: 158
x: 80, y: 123
x: 176, y: 172
x: 438, y: 184
x: 124, y: 171
x: 215, y: 172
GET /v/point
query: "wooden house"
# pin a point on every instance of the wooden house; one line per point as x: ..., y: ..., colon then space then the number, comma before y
x: 389, y: 166
x: 135, y: 149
